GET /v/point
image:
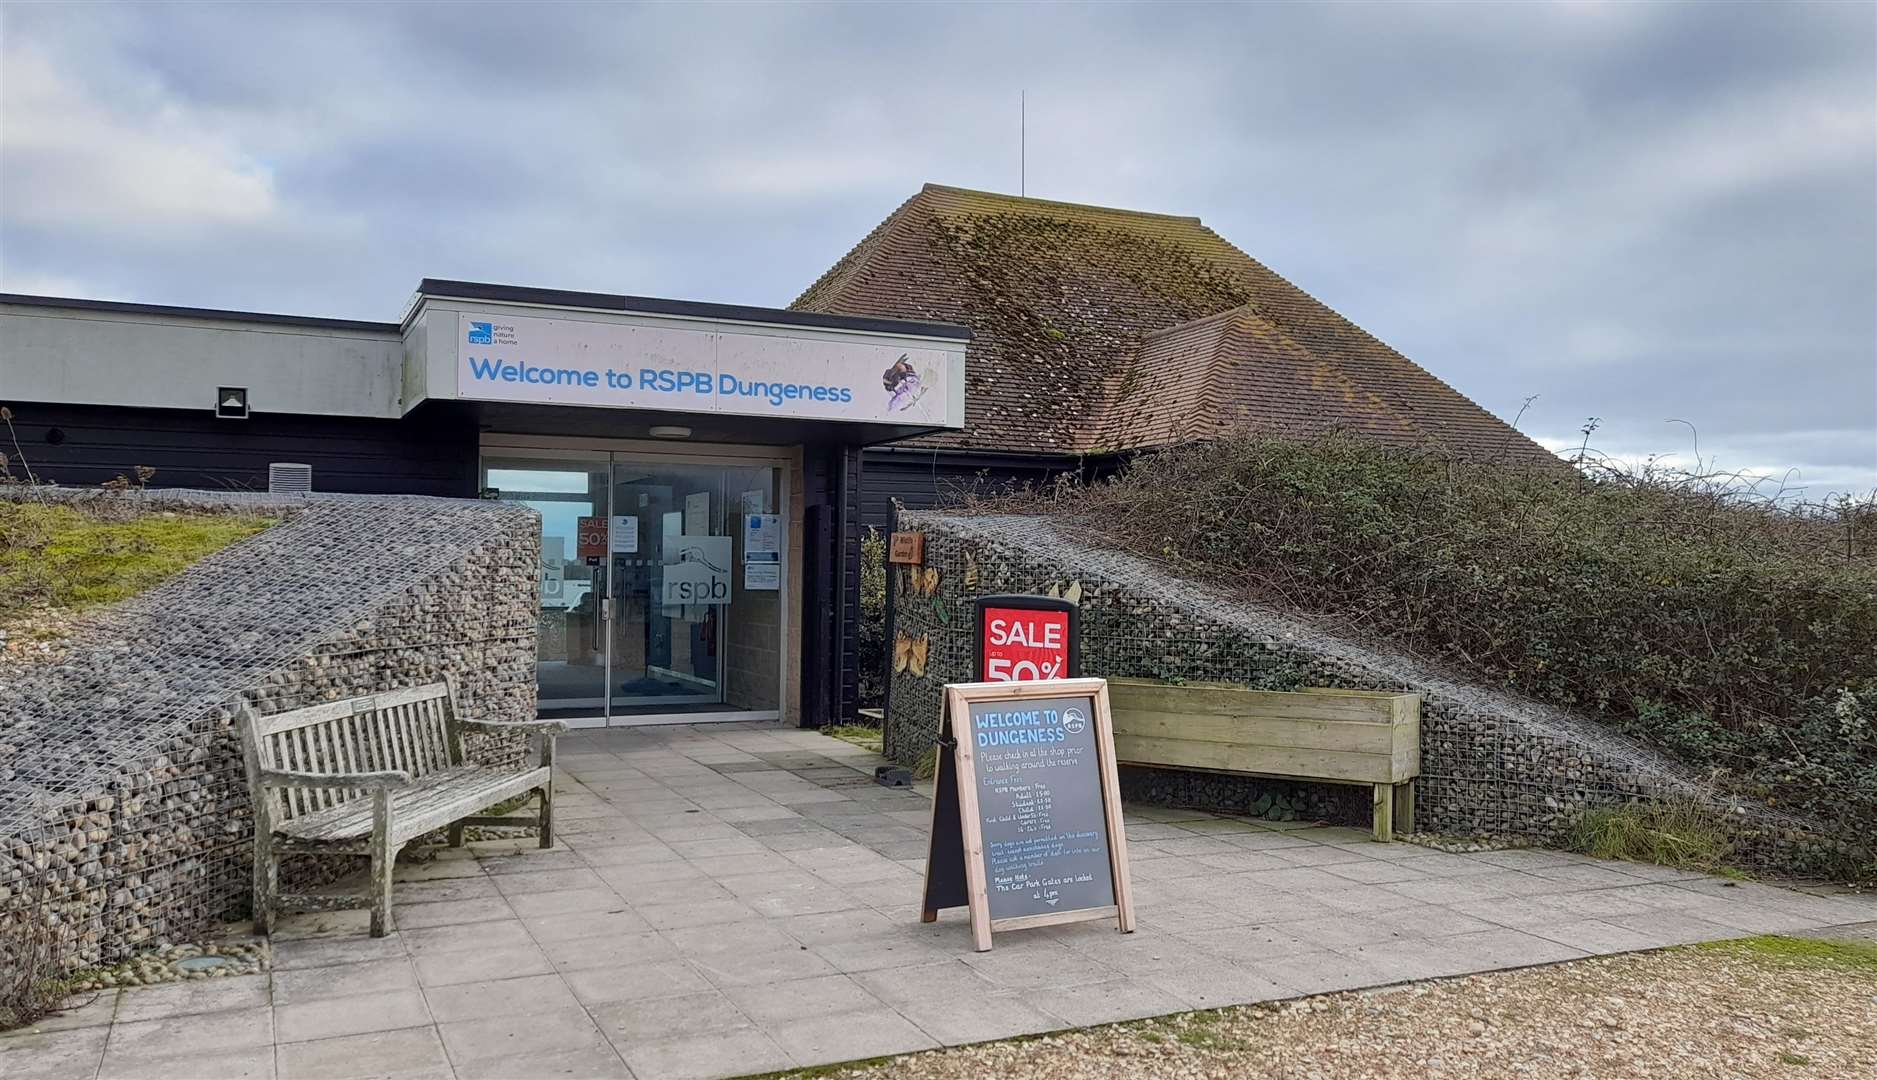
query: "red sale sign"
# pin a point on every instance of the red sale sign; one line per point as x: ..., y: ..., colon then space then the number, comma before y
x: 1023, y: 644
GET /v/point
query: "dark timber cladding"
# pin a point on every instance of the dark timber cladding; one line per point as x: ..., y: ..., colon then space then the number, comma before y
x: 427, y: 453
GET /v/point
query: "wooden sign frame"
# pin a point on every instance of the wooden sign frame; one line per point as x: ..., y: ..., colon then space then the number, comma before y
x: 906, y: 548
x: 957, y: 794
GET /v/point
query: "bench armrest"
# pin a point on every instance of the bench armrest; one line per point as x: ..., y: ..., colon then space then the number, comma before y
x: 371, y: 781
x: 550, y: 727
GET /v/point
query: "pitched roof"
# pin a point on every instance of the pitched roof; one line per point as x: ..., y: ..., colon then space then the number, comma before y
x: 1096, y: 329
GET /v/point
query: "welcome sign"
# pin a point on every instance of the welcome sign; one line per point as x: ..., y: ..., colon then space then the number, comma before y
x: 677, y: 369
x: 1026, y: 818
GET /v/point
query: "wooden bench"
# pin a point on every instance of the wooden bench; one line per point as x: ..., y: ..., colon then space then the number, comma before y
x: 1363, y: 737
x: 368, y: 775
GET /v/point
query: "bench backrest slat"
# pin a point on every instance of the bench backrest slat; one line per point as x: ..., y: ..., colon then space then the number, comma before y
x: 400, y: 729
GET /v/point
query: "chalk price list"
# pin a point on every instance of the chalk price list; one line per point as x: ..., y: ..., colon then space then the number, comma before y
x: 1041, y: 846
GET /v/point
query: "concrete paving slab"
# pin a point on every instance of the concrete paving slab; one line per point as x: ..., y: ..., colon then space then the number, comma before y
x: 662, y: 939
x: 452, y: 913
x: 823, y: 1040
x: 229, y: 1029
x: 522, y: 996
x: 53, y: 1055
x: 578, y: 954
x: 444, y: 969
x: 550, y: 1032
x: 509, y: 934
x: 770, y: 1004
x: 342, y: 980
x: 655, y: 1019
x: 415, y: 1053
x: 706, y: 1057
x: 600, y: 1062
x: 325, y: 1018
x: 193, y: 996
x: 247, y: 1064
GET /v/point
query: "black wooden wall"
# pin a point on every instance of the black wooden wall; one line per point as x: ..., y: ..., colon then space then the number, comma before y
x: 924, y: 479
x: 88, y: 444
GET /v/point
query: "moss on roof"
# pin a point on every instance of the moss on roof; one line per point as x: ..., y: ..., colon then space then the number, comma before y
x: 1060, y: 298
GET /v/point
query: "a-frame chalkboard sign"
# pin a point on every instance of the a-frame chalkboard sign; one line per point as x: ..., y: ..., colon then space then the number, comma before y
x: 1026, y: 820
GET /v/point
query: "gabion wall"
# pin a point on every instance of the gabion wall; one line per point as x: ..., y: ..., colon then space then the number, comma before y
x: 1493, y: 764
x: 124, y: 810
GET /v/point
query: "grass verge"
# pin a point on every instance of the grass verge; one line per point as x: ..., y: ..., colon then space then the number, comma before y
x: 867, y: 738
x: 1675, y: 833
x: 62, y: 557
x: 1803, y: 952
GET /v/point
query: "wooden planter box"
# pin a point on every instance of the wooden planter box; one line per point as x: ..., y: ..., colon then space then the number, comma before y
x: 1366, y: 737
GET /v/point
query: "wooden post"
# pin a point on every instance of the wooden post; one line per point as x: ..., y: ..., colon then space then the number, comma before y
x: 1404, y: 806
x: 383, y: 860
x: 1111, y: 803
x: 1384, y: 812
x: 545, y: 818
x: 266, y: 866
x: 975, y: 887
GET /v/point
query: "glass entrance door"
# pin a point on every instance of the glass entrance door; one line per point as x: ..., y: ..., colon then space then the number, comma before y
x: 697, y: 599
x: 661, y: 585
x: 570, y: 634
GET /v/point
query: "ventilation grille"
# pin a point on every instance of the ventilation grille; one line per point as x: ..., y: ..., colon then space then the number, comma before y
x: 289, y: 478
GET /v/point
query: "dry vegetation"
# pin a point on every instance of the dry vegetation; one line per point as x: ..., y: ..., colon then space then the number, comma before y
x: 1731, y: 628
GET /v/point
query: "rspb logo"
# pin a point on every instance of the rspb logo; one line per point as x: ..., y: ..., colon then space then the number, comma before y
x: 481, y: 333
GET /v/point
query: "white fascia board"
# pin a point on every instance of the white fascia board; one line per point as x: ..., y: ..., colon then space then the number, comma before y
x: 432, y: 330
x: 142, y: 360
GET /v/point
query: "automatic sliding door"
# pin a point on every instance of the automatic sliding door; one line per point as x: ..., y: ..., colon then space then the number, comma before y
x: 570, y: 634
x: 660, y: 583
x: 689, y: 618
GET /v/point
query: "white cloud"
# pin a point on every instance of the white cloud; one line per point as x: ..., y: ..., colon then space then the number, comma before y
x: 151, y: 165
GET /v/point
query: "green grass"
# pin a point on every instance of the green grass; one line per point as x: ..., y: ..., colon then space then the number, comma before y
x: 867, y: 738
x: 927, y: 766
x: 1675, y: 833
x: 62, y: 557
x: 1803, y: 952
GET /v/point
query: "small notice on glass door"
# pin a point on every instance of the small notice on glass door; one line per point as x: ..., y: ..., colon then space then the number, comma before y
x: 762, y: 551
x: 762, y: 536
x: 625, y: 534
x: 762, y: 576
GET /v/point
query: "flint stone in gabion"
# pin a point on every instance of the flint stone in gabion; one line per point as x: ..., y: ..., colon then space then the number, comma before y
x: 1493, y: 764
x: 124, y: 813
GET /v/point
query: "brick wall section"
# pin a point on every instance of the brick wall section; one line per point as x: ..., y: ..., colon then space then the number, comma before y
x: 124, y: 810
x: 1492, y: 763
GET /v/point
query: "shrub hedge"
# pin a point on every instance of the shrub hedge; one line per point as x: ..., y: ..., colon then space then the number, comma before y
x: 1732, y: 630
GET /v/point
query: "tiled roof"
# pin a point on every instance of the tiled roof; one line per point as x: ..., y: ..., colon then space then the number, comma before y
x: 1096, y: 329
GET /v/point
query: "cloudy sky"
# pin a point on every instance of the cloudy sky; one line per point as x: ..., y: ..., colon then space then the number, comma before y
x: 1631, y: 211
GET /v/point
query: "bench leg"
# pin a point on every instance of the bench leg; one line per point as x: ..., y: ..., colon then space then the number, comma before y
x: 1404, y: 806
x: 456, y: 835
x: 545, y: 819
x: 1384, y: 813
x: 266, y: 884
x: 383, y: 863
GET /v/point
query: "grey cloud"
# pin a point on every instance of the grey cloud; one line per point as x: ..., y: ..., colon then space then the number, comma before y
x: 1632, y: 211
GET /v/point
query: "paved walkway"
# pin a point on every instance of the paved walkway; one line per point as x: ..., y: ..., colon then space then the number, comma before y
x: 728, y: 900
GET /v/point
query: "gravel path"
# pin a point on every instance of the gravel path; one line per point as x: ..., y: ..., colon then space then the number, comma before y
x: 1756, y: 1009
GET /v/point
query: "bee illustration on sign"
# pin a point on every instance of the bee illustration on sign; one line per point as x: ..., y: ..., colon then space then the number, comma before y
x: 903, y: 385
